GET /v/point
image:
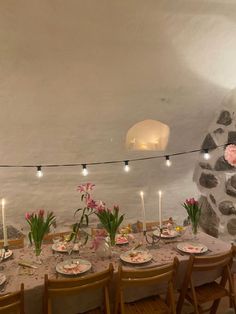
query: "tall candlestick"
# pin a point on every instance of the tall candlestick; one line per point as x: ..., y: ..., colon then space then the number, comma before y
x: 143, y: 211
x: 4, y: 226
x: 160, y: 209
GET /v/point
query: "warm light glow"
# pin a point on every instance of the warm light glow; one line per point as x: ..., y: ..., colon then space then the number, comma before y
x: 126, y: 166
x: 85, y: 171
x: 39, y: 173
x: 3, y: 202
x: 160, y: 193
x: 148, y: 135
x: 168, y: 162
x: 141, y: 193
x: 206, y: 154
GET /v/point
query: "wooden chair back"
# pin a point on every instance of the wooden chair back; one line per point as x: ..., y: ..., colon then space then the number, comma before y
x: 13, y: 302
x: 48, y: 238
x: 221, y: 262
x: 144, y: 277
x: 14, y: 243
x: 65, y: 287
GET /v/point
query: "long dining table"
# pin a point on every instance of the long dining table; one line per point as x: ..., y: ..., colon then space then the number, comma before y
x: 33, y: 279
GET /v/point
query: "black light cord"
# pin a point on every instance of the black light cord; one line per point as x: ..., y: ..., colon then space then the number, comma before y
x: 111, y: 161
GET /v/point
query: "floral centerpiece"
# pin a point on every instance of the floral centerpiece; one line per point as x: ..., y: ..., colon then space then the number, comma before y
x: 230, y: 155
x: 110, y: 219
x: 39, y: 226
x: 194, y: 212
x: 83, y: 212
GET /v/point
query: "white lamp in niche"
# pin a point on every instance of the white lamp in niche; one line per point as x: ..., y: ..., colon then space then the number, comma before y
x: 148, y: 135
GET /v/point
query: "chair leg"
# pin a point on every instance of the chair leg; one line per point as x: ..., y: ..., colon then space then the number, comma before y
x: 107, y: 301
x: 215, y: 306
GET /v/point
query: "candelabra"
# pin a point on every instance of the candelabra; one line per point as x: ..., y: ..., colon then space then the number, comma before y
x: 153, y: 239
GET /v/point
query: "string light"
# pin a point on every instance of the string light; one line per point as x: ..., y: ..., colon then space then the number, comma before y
x: 206, y: 154
x: 168, y: 162
x: 39, y: 172
x: 84, y: 170
x: 126, y: 166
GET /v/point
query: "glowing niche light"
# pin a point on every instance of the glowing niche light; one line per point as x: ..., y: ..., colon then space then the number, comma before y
x: 148, y: 135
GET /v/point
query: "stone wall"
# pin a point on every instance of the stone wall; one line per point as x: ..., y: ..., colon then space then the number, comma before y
x: 216, y: 179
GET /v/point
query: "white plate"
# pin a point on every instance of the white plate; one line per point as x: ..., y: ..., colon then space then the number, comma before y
x: 62, y: 247
x: 136, y: 257
x: 192, y: 248
x: 2, y: 279
x: 59, y: 247
x: 7, y: 254
x: 124, y: 240
x: 171, y: 234
x: 73, y: 267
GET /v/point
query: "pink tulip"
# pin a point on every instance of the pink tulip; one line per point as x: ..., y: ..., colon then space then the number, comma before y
x: 27, y: 216
x: 116, y: 208
x: 41, y: 212
x: 100, y: 207
x: 191, y: 202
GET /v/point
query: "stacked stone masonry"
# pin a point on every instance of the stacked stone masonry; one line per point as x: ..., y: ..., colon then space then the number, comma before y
x: 216, y: 179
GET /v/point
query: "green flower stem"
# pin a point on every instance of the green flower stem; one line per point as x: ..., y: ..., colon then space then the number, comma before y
x: 37, y: 247
x: 112, y: 236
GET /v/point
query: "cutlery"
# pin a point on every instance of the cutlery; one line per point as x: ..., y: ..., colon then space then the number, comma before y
x: 27, y: 264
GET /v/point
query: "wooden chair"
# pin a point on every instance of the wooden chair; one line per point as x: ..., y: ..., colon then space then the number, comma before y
x: 48, y: 238
x: 13, y: 302
x: 145, y: 277
x: 209, y: 292
x: 65, y: 287
x: 14, y: 243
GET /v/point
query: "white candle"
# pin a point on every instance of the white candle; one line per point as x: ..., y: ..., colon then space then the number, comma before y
x: 143, y: 211
x: 159, y: 208
x: 4, y: 226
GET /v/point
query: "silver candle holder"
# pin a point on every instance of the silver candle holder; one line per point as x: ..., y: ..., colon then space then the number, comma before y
x: 153, y: 239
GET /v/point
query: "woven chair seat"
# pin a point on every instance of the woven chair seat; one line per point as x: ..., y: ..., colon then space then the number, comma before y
x: 208, y: 292
x: 153, y: 305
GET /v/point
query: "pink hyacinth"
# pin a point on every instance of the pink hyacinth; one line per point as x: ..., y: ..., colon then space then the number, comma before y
x: 230, y: 155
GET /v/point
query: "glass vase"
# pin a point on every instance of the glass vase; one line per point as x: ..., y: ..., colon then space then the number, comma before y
x: 103, y: 248
x: 112, y: 239
x: 38, y: 251
x: 194, y: 226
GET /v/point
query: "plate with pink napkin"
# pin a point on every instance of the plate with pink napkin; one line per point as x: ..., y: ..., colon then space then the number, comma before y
x: 192, y: 248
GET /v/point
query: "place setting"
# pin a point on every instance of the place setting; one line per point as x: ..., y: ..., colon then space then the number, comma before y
x: 73, y: 267
x: 192, y: 248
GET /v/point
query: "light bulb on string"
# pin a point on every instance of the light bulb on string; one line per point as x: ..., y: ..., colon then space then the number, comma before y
x: 206, y: 154
x: 84, y: 170
x: 168, y: 162
x: 39, y: 172
x: 126, y: 166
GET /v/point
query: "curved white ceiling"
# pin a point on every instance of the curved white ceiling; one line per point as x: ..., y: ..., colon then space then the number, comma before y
x: 76, y: 75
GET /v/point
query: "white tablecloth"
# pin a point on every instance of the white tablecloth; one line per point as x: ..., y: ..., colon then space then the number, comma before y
x: 34, y: 279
